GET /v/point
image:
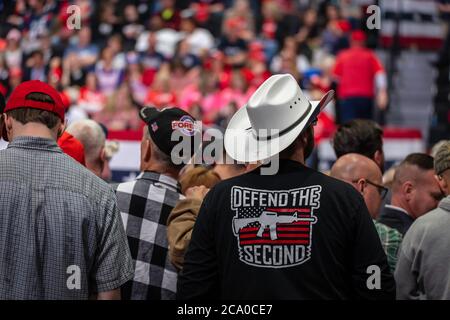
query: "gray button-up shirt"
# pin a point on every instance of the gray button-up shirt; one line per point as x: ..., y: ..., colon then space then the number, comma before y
x: 61, y: 236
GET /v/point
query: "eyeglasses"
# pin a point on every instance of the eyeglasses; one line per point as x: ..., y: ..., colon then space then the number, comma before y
x: 381, y: 189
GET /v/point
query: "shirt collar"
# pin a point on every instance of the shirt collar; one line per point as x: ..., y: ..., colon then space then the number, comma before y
x: 390, y: 206
x: 285, y: 166
x: 36, y: 143
x: 445, y: 203
x: 163, y: 179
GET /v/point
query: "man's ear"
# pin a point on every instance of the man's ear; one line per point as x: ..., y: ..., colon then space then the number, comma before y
x: 443, y: 184
x: 103, y: 154
x: 305, y: 136
x: 251, y: 166
x: 361, y: 185
x: 407, y: 189
x: 147, y: 150
x: 378, y: 157
x: 62, y: 128
x: 8, y: 122
x: 103, y: 158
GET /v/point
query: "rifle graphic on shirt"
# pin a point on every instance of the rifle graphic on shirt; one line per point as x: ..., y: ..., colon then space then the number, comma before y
x: 269, y: 219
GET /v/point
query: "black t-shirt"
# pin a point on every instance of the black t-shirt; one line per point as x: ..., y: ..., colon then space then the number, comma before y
x: 298, y: 234
x: 232, y: 47
x: 444, y: 16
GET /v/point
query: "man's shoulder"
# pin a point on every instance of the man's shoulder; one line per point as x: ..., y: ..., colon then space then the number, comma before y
x: 124, y: 187
x: 92, y: 185
x: 67, y: 172
x: 431, y: 222
x: 346, y: 55
x: 62, y: 176
x: 351, y: 53
x: 426, y: 230
x: 141, y: 187
x: 308, y: 177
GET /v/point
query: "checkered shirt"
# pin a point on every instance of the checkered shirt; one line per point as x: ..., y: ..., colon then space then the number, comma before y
x: 391, y: 240
x: 145, y: 205
x: 61, y: 236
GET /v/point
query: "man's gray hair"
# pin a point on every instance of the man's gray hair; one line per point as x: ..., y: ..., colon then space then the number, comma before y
x: 442, y: 158
x: 159, y: 155
x: 91, y: 136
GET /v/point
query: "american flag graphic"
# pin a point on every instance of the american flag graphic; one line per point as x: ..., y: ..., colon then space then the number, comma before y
x: 297, y: 232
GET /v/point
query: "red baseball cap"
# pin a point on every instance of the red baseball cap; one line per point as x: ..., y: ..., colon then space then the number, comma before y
x: 18, y: 99
x: 72, y: 147
x: 358, y: 36
x: 65, y: 100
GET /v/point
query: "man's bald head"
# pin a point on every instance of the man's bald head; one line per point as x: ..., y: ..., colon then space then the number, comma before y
x: 362, y: 173
x: 92, y: 137
x: 353, y: 166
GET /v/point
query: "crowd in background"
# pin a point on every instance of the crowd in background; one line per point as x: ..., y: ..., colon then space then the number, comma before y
x: 205, y: 56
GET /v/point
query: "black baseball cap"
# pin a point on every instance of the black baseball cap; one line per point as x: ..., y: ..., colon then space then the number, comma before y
x: 169, y: 126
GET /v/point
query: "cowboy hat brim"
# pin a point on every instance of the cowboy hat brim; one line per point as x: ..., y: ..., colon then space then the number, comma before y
x: 242, y: 145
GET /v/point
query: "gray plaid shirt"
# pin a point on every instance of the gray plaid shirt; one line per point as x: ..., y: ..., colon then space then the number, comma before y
x: 61, y: 236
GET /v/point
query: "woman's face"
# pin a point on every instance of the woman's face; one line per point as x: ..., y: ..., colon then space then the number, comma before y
x: 13, y: 43
x: 290, y: 44
x: 310, y: 17
x: 133, y: 68
x: 207, y: 82
x: 241, y: 6
x: 91, y: 81
x: 123, y: 98
x: 115, y: 44
x: 237, y: 82
x: 332, y: 13
x: 108, y: 55
x: 131, y: 14
x: 196, y: 111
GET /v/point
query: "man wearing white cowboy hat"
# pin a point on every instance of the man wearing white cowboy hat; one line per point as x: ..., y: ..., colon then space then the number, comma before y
x: 298, y: 234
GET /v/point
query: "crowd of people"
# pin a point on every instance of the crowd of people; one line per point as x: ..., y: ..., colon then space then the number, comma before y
x: 187, y: 231
x: 222, y: 229
x: 205, y: 56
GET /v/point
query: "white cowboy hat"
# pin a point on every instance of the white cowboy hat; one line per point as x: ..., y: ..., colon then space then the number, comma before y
x: 273, y: 118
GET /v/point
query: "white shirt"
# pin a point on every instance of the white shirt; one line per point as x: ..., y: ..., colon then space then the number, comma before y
x: 199, y: 40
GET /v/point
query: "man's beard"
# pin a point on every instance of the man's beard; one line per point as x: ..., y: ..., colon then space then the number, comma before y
x: 309, y: 147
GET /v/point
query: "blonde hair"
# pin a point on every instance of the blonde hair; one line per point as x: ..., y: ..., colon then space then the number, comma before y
x: 198, y: 176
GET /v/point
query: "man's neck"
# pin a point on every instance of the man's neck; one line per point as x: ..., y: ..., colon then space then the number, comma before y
x: 357, y: 46
x: 298, y: 157
x: 94, y: 167
x: 395, y: 202
x: 32, y: 130
x: 159, y: 169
